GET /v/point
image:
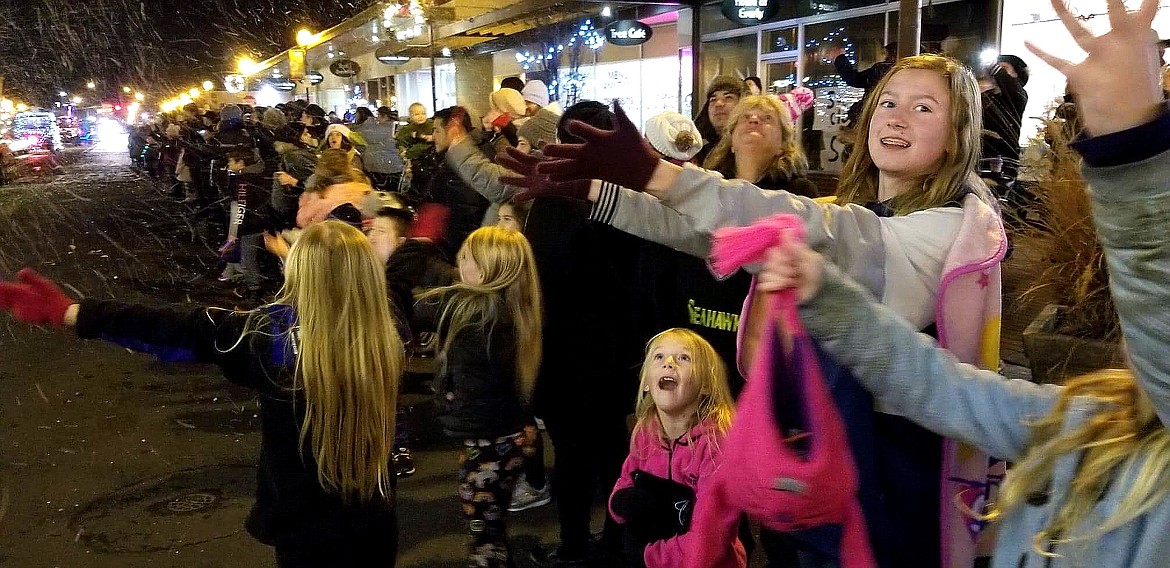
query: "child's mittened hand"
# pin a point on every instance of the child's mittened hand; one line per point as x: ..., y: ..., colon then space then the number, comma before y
x: 1118, y: 86
x: 791, y: 265
x: 34, y: 299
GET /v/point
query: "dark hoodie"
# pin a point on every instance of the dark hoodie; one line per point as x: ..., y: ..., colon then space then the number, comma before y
x: 712, y: 135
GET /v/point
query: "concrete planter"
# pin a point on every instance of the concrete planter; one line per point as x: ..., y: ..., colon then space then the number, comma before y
x: 1054, y: 357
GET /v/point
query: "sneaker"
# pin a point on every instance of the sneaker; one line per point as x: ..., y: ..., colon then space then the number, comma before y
x: 403, y: 462
x: 544, y: 558
x: 525, y: 496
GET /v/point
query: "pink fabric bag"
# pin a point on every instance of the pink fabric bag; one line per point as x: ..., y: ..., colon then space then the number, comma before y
x: 786, y: 460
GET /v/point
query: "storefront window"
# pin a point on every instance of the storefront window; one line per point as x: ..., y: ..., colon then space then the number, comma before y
x: 644, y: 87
x: 957, y: 29
x: 779, y: 41
x: 779, y: 77
x: 735, y: 57
x: 863, y: 39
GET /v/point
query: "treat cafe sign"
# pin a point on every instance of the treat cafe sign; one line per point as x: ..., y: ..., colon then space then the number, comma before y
x: 750, y: 12
x: 628, y: 32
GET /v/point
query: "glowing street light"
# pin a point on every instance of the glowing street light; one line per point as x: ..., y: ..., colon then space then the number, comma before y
x: 305, y: 38
x: 208, y: 85
x: 194, y: 93
x: 76, y: 100
x: 90, y: 85
x: 62, y: 94
x: 246, y: 65
x: 125, y: 89
x: 139, y: 96
x: 21, y: 107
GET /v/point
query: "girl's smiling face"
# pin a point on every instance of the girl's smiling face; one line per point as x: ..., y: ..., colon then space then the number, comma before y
x: 911, y: 127
x: 672, y: 381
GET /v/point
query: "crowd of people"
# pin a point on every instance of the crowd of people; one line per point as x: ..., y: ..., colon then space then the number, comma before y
x: 562, y: 260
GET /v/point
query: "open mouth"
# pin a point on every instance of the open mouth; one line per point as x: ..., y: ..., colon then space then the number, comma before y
x: 895, y: 142
x: 667, y: 383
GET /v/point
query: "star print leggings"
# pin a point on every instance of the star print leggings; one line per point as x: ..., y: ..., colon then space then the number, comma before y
x: 487, y: 474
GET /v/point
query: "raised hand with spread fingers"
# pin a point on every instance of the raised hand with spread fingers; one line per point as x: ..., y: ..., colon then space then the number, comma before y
x: 1119, y: 84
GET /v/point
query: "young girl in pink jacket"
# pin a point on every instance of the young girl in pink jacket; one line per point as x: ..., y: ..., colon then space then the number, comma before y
x: 684, y: 409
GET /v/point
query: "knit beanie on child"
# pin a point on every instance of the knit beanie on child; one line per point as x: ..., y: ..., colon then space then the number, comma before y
x: 674, y: 135
x: 536, y: 92
x: 508, y: 101
x: 541, y: 129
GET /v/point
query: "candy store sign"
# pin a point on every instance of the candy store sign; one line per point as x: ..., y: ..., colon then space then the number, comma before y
x: 750, y: 12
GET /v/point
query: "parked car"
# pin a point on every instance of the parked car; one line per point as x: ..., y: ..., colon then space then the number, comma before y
x: 39, y: 128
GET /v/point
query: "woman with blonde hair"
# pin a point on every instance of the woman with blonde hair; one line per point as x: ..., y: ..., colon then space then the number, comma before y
x: 326, y: 362
x: 911, y: 222
x: 489, y: 329
x: 759, y: 145
x: 1092, y: 457
x: 334, y: 181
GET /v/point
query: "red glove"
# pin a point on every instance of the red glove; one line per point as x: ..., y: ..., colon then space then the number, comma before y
x: 431, y: 223
x: 620, y: 156
x: 502, y: 120
x: 34, y: 299
x: 537, y: 184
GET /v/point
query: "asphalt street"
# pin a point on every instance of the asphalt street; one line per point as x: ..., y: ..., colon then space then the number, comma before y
x: 110, y: 459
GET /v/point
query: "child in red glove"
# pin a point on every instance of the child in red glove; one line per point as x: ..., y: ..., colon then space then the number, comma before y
x: 325, y: 360
x: 684, y: 409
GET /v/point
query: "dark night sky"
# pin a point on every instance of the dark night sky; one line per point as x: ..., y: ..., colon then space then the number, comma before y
x: 157, y: 46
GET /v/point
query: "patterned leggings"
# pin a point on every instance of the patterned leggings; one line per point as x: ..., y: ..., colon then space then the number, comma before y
x: 487, y: 474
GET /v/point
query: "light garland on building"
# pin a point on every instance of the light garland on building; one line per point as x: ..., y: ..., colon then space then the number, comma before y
x: 834, y: 37
x: 405, y: 20
x: 548, y: 56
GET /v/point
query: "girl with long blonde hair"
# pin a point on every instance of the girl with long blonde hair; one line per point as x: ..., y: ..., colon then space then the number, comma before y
x: 1092, y: 457
x: 490, y: 349
x: 912, y: 222
x: 326, y: 362
x: 683, y: 411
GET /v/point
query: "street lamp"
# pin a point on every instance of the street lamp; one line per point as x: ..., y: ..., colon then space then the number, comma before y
x: 305, y: 38
x: 246, y: 65
x: 126, y: 90
x: 208, y: 85
x: 90, y: 85
x: 76, y: 100
x: 139, y: 96
x: 194, y: 93
x: 62, y: 94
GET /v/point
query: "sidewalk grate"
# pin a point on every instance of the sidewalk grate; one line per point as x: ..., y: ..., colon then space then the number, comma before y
x: 190, y: 503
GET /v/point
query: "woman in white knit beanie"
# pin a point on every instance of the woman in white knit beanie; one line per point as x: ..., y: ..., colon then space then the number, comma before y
x: 674, y: 136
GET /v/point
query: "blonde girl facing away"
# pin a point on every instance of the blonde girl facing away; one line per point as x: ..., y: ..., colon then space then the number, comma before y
x: 325, y: 361
x: 683, y: 412
x: 490, y: 348
x: 1092, y: 456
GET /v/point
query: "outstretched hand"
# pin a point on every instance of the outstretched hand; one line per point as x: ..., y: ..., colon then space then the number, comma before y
x: 1118, y: 85
x: 621, y: 156
x: 534, y: 183
x: 34, y: 299
x: 791, y: 264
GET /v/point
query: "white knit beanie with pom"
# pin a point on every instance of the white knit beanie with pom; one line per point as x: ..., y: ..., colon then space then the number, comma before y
x: 674, y: 135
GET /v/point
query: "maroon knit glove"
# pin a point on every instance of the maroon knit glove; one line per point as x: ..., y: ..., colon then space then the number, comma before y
x: 536, y: 184
x: 34, y: 299
x: 620, y: 156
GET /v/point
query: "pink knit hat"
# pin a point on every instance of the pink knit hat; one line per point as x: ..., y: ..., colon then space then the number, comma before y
x: 786, y: 458
x: 798, y: 100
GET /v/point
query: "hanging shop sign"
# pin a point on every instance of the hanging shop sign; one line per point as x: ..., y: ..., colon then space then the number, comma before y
x: 628, y: 32
x: 386, y: 55
x: 234, y: 83
x: 314, y: 77
x: 750, y: 12
x: 345, y: 68
x: 283, y: 84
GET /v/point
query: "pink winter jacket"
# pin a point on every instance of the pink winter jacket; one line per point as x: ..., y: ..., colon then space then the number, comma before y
x: 315, y: 207
x: 690, y: 459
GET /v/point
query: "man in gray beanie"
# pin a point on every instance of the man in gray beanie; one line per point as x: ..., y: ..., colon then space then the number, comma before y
x: 539, y: 130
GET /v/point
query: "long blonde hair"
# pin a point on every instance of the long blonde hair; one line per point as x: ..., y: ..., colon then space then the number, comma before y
x: 349, y: 358
x: 789, y: 161
x: 1124, y: 440
x: 510, y: 289
x: 715, y: 401
x: 859, y: 176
